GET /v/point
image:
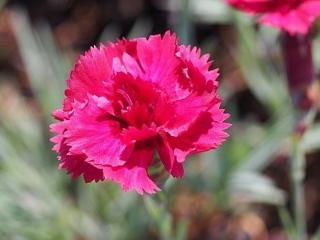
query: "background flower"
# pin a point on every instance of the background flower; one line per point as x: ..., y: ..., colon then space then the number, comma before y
x: 293, y: 16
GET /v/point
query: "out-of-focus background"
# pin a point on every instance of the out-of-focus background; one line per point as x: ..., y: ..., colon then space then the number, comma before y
x: 239, y: 192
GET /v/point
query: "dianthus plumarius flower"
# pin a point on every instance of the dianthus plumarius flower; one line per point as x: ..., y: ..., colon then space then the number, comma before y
x: 293, y: 16
x: 133, y: 100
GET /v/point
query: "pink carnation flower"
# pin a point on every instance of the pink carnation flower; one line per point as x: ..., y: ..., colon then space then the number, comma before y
x: 293, y: 16
x: 127, y: 101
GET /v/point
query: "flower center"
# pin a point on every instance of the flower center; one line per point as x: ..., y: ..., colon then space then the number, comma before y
x: 134, y: 101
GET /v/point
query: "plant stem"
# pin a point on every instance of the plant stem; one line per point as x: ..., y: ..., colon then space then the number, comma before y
x: 297, y: 52
x: 297, y: 176
x: 158, y: 212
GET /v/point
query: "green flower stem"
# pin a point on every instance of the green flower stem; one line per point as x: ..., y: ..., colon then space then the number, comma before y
x: 297, y: 177
x: 298, y: 173
x: 157, y: 209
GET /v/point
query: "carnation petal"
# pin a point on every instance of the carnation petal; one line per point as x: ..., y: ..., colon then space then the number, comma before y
x: 76, y: 165
x: 187, y: 110
x: 89, y: 73
x: 207, y: 132
x: 168, y: 158
x: 99, y: 140
x: 134, y: 174
x: 292, y: 22
x: 157, y: 57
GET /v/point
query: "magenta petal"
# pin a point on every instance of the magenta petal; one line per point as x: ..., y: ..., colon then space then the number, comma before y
x: 205, y: 133
x: 201, y: 85
x: 76, y: 165
x: 292, y: 22
x: 158, y: 60
x: 57, y: 128
x: 88, y: 74
x: 186, y: 111
x: 168, y: 158
x: 99, y: 140
x: 134, y: 174
x: 208, y: 131
x: 134, y: 134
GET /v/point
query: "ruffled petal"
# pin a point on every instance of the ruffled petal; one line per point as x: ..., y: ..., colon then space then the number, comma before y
x: 168, y: 158
x: 208, y: 131
x: 186, y: 111
x: 90, y: 132
x: 199, y: 84
x: 75, y: 165
x: 93, y: 71
x: 133, y: 175
x: 297, y: 20
x: 205, y: 133
x: 311, y: 7
x: 157, y: 57
x: 89, y: 74
x: 292, y: 22
x: 196, y: 67
x: 57, y: 128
